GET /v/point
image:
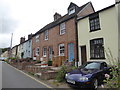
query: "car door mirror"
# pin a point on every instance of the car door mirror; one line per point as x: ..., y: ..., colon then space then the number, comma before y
x: 104, y: 68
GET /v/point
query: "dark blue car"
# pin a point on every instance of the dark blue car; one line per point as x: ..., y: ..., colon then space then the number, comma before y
x: 89, y: 75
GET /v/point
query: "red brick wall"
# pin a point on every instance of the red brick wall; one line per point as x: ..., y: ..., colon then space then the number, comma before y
x: 34, y: 46
x: 54, y: 39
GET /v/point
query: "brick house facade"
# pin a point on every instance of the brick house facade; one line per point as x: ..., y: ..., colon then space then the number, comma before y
x: 59, y: 38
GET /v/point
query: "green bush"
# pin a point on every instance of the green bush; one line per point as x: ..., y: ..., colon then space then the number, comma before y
x: 7, y: 61
x: 61, y: 73
x: 38, y: 61
x: 31, y: 73
x: 113, y: 82
x: 49, y: 63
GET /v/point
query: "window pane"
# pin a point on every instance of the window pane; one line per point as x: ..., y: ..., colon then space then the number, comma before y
x: 62, y: 28
x: 96, y: 48
x: 37, y: 38
x: 94, y: 22
x: 46, y: 35
x: 61, y: 50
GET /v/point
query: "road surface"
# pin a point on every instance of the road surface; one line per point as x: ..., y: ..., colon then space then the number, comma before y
x: 12, y: 78
x: 0, y: 75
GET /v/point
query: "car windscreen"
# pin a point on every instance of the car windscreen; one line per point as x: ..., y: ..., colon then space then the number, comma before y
x: 92, y: 65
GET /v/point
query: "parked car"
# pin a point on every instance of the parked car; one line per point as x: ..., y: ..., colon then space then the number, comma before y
x: 89, y: 75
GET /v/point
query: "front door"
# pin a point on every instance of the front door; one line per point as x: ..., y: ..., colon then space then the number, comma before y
x: 83, y: 54
x: 71, y: 52
x: 50, y: 53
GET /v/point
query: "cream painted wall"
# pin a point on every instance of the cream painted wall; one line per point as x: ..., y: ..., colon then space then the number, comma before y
x: 109, y: 31
x: 118, y: 7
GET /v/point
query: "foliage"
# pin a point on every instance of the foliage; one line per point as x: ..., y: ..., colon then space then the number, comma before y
x: 38, y: 61
x: 6, y: 61
x: 13, y: 58
x: 31, y: 73
x: 49, y: 63
x: 115, y: 72
x: 4, y: 49
x: 61, y: 73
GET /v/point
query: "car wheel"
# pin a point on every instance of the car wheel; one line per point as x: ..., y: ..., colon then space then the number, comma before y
x: 95, y: 84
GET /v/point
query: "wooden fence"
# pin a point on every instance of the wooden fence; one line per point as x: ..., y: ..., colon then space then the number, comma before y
x: 58, y: 61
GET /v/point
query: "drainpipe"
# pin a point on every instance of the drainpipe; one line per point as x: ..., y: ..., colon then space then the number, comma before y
x: 77, y: 48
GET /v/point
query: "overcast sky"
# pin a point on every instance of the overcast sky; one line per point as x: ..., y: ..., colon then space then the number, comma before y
x: 22, y: 17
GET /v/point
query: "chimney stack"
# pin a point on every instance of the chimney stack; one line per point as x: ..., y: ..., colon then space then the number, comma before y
x: 22, y: 39
x: 56, y: 16
x: 30, y: 36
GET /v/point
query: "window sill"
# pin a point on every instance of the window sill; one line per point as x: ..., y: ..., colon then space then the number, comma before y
x: 37, y: 55
x: 62, y: 34
x: 95, y: 30
x: 44, y: 56
x: 61, y: 55
x: 97, y: 58
x: 46, y: 39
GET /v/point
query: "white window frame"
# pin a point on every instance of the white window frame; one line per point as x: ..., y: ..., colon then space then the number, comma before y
x: 71, y: 10
x: 44, y: 51
x: 37, y: 51
x: 62, y: 28
x: 61, y: 54
x: 46, y: 35
x: 37, y: 38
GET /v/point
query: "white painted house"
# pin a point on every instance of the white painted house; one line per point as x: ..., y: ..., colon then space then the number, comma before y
x: 27, y: 49
x: 99, y: 34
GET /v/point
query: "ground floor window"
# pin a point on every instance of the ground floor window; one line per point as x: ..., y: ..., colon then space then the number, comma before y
x: 97, y: 49
x: 61, y: 50
x: 37, y: 51
x: 44, y: 52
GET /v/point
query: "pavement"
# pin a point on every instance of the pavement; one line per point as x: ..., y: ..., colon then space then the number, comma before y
x: 14, y: 78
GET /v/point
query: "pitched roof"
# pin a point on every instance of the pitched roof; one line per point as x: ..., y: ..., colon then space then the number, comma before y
x: 61, y: 20
x: 72, y: 4
x: 111, y: 6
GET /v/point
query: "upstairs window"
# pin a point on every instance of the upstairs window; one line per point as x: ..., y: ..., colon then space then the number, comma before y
x: 37, y: 51
x: 29, y: 53
x: 29, y: 43
x: 97, y: 49
x: 46, y: 35
x: 62, y: 29
x: 61, y: 50
x: 71, y: 10
x: 94, y: 22
x: 44, y: 52
x: 37, y: 38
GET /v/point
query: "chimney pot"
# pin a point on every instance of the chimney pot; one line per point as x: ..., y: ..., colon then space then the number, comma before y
x: 30, y: 36
x: 56, y: 16
x: 22, y: 39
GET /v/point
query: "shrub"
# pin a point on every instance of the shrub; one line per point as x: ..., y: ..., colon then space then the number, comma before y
x: 31, y: 73
x: 6, y: 61
x: 114, y: 81
x: 61, y: 73
x: 115, y: 72
x: 49, y: 63
x: 38, y: 61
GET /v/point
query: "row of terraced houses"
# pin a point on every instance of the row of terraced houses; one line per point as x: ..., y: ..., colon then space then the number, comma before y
x: 80, y: 35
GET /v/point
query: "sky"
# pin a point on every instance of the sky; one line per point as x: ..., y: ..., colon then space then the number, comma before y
x: 23, y: 17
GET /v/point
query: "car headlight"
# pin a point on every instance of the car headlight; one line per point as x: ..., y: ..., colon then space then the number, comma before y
x: 66, y: 75
x: 83, y: 79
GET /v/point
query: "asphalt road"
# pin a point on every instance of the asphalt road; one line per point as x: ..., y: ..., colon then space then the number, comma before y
x: 12, y: 78
x: 0, y: 75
